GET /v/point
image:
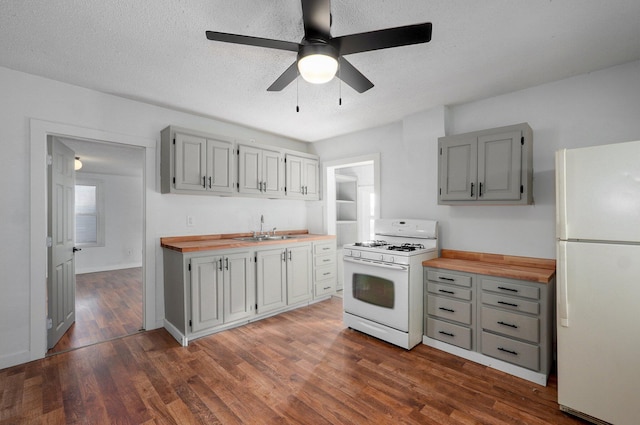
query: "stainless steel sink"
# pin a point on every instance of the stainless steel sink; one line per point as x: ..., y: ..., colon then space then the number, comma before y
x: 262, y: 238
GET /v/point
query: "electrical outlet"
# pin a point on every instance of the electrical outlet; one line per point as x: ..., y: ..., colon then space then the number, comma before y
x: 190, y: 221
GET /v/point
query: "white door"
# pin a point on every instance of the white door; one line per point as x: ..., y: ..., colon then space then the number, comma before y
x: 191, y: 162
x: 298, y: 274
x: 272, y: 172
x: 61, y: 281
x: 220, y: 166
x: 599, y: 330
x: 598, y: 196
x: 250, y: 170
x: 271, y: 279
x: 499, y: 157
x: 206, y: 293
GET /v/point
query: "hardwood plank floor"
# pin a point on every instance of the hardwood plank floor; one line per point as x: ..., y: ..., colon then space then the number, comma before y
x: 108, y: 305
x: 300, y: 367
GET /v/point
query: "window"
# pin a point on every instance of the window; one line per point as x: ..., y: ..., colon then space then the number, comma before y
x: 89, y: 214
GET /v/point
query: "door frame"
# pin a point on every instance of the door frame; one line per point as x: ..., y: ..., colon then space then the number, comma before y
x: 39, y: 130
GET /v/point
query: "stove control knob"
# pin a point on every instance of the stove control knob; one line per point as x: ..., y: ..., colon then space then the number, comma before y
x: 392, y: 259
x: 381, y: 257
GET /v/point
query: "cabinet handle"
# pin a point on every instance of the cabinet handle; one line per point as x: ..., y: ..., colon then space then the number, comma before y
x: 220, y: 264
x: 209, y: 182
x: 446, y: 309
x: 284, y: 256
x: 508, y: 324
x: 446, y: 292
x: 508, y: 351
x: 509, y: 304
x: 289, y: 255
x: 446, y: 333
x: 507, y: 289
x: 446, y: 278
x: 472, y: 190
x: 480, y: 190
x: 226, y: 264
x: 204, y: 181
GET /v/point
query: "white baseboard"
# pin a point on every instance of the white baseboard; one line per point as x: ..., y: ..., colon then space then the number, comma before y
x: 108, y: 268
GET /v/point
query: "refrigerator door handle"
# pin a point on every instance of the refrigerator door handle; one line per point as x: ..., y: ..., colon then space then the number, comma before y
x: 563, y: 293
x: 561, y: 199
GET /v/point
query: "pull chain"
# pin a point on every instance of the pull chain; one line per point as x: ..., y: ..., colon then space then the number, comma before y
x: 339, y: 88
x: 297, y: 94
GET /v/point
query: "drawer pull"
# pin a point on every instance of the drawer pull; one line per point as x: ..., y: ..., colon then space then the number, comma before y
x: 446, y: 333
x: 446, y: 292
x: 508, y: 324
x: 447, y: 309
x: 507, y: 289
x: 327, y: 287
x: 326, y: 273
x: 507, y: 351
x: 509, y: 304
x: 446, y: 278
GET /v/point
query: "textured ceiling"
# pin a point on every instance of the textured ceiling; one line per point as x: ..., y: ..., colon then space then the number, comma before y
x: 156, y: 52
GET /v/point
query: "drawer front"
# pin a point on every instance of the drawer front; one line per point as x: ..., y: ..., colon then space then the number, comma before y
x: 446, y: 308
x: 449, y: 333
x: 325, y: 273
x: 510, y: 303
x: 509, y: 288
x: 450, y: 278
x: 324, y: 248
x: 324, y: 260
x: 516, y: 352
x: 325, y: 287
x: 511, y: 324
x: 449, y: 291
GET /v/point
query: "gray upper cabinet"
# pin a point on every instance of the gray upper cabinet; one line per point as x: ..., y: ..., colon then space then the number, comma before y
x: 302, y: 177
x: 486, y: 167
x: 261, y: 171
x: 196, y: 163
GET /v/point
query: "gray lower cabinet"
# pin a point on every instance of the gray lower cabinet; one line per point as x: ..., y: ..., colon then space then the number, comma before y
x: 491, y: 318
x: 207, y: 290
x: 283, y: 277
x: 324, y: 268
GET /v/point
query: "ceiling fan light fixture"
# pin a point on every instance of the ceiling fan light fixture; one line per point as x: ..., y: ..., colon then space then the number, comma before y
x: 77, y: 163
x: 317, y: 64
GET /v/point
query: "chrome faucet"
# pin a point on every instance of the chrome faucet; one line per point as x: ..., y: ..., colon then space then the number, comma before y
x: 261, y: 224
x: 273, y: 231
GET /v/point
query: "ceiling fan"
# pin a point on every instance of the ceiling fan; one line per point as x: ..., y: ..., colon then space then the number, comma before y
x: 319, y: 54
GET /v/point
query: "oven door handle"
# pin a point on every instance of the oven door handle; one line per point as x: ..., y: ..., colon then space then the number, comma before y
x: 376, y: 264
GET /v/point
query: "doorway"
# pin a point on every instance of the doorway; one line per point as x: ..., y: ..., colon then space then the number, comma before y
x: 109, y: 238
x: 352, y: 194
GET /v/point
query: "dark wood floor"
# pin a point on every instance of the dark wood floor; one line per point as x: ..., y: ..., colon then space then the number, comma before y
x: 302, y: 366
x: 108, y: 305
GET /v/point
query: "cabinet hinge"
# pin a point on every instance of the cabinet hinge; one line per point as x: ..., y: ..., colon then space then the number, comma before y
x: 49, y: 323
x: 440, y: 151
x: 174, y: 140
x: 238, y: 186
x: 189, y: 266
x: 522, y: 140
x: 521, y: 188
x: 49, y: 160
x: 256, y: 307
x: 440, y: 191
x: 190, y: 324
x: 174, y: 180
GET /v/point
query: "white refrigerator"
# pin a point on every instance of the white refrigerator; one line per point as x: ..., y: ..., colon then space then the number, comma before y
x: 598, y: 282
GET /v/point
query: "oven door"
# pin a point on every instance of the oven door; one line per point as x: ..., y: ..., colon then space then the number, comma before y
x: 377, y: 291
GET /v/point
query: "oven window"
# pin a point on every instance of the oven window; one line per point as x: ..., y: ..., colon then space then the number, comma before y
x: 373, y: 290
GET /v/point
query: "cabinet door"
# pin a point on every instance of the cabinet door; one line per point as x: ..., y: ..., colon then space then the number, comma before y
x: 206, y: 293
x: 298, y: 274
x: 272, y: 172
x: 294, y: 171
x: 499, y: 172
x: 190, y: 162
x: 220, y: 166
x: 250, y: 169
x: 458, y: 169
x: 271, y: 280
x: 239, y: 295
x: 312, y: 188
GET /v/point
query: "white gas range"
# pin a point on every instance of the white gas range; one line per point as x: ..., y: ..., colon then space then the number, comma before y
x: 383, y: 281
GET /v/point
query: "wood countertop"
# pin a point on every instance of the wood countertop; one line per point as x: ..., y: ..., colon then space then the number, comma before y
x: 197, y: 243
x: 539, y: 270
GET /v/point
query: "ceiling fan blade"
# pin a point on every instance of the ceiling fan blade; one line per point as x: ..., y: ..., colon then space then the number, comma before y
x: 350, y: 75
x: 383, y: 39
x: 285, y: 78
x: 316, y: 15
x: 252, y: 41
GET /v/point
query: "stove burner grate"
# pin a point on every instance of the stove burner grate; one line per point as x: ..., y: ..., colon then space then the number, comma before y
x: 371, y: 244
x: 406, y: 247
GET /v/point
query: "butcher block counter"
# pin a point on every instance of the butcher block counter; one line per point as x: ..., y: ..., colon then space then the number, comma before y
x: 538, y: 270
x: 197, y: 243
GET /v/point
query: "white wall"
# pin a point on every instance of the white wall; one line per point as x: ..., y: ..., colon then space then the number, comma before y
x: 22, y: 280
x: 123, y: 221
x: 597, y: 108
